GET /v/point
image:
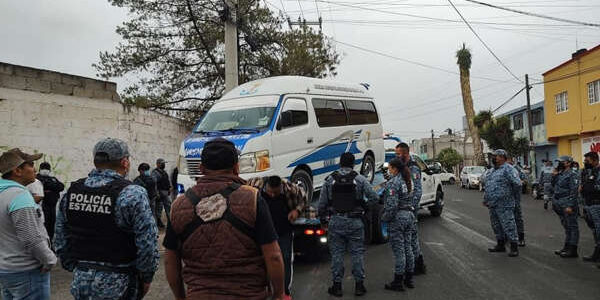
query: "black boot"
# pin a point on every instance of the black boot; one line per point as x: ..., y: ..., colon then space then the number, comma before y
x: 396, y: 285
x: 546, y: 205
x: 408, y: 280
x: 514, y: 249
x: 571, y: 252
x: 420, y: 267
x: 558, y: 252
x: 336, y: 289
x: 595, y: 257
x: 500, y: 247
x: 521, y: 239
x: 359, y: 288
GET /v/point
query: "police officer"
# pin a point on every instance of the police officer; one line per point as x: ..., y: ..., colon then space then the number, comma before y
x: 145, y: 180
x: 518, y: 211
x: 105, y: 232
x: 398, y: 212
x: 546, y: 181
x: 564, y: 204
x: 52, y: 189
x: 342, y: 197
x: 500, y: 185
x: 403, y: 152
x: 163, y: 184
x: 590, y: 190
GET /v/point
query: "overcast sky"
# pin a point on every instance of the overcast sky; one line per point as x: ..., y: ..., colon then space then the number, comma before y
x: 67, y: 35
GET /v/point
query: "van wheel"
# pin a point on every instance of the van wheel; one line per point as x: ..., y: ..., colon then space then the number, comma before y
x: 452, y: 181
x: 368, y: 168
x: 304, y: 181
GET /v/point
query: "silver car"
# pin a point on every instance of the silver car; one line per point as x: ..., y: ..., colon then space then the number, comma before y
x: 471, y: 177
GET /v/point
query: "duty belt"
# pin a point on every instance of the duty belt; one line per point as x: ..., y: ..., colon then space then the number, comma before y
x: 591, y: 202
x: 353, y: 214
x: 408, y: 207
x: 84, y: 266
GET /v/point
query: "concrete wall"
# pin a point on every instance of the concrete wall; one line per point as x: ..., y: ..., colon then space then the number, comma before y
x: 63, y: 116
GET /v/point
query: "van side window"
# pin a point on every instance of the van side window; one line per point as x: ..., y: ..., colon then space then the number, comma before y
x: 294, y: 113
x: 330, y: 113
x: 362, y: 112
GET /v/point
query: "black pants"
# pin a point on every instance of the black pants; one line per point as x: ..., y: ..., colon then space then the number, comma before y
x: 286, y: 243
x: 49, y: 219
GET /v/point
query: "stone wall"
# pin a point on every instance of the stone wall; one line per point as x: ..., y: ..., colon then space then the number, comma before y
x: 63, y: 116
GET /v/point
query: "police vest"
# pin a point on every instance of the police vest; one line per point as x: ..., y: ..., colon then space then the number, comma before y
x: 163, y: 184
x: 590, y: 194
x: 343, y: 193
x: 94, y: 234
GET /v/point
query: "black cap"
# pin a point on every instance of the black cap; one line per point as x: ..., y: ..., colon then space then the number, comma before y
x: 219, y: 154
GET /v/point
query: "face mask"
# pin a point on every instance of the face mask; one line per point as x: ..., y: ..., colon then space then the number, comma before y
x: 147, y: 172
x: 560, y: 167
x: 588, y: 166
x: 162, y: 167
x: 45, y: 172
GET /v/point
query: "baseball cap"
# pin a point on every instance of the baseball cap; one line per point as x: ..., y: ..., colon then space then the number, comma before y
x: 110, y: 149
x: 26, y: 157
x: 565, y: 158
x: 161, y: 161
x: 219, y: 154
x: 500, y: 152
x: 13, y: 158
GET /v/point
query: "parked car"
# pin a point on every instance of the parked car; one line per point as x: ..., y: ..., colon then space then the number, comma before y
x: 471, y: 177
x: 444, y: 176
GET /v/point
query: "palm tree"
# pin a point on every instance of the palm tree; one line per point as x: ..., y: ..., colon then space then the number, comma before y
x: 464, y: 62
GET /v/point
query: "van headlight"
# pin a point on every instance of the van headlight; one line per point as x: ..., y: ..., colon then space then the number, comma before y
x: 255, y: 162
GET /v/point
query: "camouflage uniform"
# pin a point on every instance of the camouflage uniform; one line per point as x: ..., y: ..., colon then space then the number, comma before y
x: 518, y: 211
x: 592, y: 208
x: 345, y: 231
x: 500, y: 185
x: 398, y: 212
x: 415, y: 196
x: 132, y: 214
x: 546, y: 182
x: 565, y: 196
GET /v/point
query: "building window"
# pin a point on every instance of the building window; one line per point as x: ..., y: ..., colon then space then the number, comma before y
x: 518, y: 122
x: 594, y: 92
x: 423, y: 149
x: 537, y: 117
x: 562, y: 102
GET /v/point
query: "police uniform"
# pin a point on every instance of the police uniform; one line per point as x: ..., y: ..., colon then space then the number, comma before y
x: 501, y: 184
x: 546, y: 182
x: 518, y: 211
x: 417, y: 192
x: 106, y: 234
x: 342, y: 197
x: 565, y: 196
x: 590, y: 183
x: 398, y: 211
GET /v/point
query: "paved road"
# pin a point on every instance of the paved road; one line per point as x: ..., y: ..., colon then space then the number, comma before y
x: 455, y: 246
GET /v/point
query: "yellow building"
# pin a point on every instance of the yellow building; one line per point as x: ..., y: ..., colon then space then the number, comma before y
x: 572, y: 102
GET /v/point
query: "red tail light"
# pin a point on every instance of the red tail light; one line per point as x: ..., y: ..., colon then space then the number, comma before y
x: 309, y: 232
x: 320, y: 232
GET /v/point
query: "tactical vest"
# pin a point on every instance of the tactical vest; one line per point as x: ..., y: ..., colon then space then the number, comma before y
x: 163, y: 184
x: 343, y: 193
x: 220, y: 243
x: 94, y: 234
x: 591, y: 195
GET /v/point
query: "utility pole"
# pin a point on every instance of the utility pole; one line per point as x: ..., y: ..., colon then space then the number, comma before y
x: 231, y: 45
x: 530, y: 127
x: 433, y: 143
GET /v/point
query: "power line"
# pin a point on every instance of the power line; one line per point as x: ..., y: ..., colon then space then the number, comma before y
x: 534, y: 14
x: 567, y: 76
x: 301, y: 11
x: 509, y: 99
x: 283, y: 7
x: 484, y: 44
x: 317, y: 6
x: 411, y: 61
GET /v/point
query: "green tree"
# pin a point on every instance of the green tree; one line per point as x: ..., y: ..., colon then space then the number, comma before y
x: 173, y: 51
x: 449, y: 158
x: 498, y: 134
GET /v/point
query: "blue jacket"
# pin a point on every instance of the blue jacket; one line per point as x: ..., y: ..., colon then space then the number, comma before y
x: 500, y: 184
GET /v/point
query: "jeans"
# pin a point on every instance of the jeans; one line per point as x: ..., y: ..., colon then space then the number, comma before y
x: 25, y: 285
x: 163, y: 200
x: 286, y: 243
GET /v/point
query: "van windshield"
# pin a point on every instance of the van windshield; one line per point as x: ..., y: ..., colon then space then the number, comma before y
x: 252, y: 114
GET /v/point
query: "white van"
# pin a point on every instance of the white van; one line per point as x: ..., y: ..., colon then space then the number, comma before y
x: 294, y: 127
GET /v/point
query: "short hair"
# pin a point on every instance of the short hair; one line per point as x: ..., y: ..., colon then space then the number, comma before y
x: 347, y: 160
x: 592, y: 155
x: 402, y: 145
x: 274, y: 181
x: 7, y: 175
x: 45, y: 166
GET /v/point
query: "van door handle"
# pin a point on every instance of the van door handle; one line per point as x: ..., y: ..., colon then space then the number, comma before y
x: 309, y: 140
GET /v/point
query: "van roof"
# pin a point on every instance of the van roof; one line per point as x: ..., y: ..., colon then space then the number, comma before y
x: 280, y: 85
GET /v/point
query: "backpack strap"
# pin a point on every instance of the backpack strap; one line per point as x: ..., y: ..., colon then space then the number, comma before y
x: 227, y: 215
